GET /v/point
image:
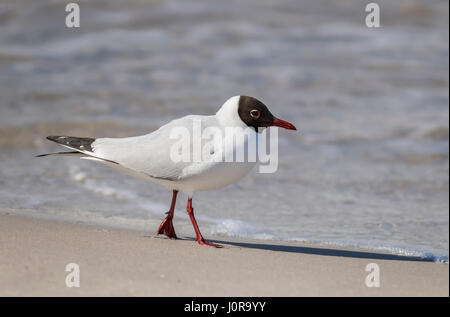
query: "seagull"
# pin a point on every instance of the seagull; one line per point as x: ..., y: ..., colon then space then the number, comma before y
x: 149, y: 156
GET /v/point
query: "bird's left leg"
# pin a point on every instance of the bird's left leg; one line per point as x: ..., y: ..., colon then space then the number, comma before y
x: 166, y: 226
x: 198, y: 235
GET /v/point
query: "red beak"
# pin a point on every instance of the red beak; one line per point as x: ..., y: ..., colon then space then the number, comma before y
x: 284, y: 124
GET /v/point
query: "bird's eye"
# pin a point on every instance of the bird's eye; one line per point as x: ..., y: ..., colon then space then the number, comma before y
x: 255, y: 114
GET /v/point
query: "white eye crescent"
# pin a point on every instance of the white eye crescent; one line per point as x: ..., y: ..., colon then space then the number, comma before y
x: 255, y: 113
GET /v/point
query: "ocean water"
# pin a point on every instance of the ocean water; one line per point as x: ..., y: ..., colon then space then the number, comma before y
x: 369, y: 166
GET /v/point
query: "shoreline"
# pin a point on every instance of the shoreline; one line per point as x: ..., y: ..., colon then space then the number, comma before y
x: 145, y: 226
x: 117, y: 262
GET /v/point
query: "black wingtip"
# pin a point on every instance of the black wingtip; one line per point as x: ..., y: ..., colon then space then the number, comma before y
x: 53, y: 138
x: 41, y: 155
x: 77, y: 143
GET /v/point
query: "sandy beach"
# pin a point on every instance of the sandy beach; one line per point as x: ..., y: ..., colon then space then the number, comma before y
x: 112, y: 262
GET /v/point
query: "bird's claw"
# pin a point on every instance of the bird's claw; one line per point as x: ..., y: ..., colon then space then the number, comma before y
x: 210, y: 244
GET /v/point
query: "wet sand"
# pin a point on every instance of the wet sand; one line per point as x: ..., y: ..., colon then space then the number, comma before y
x: 34, y: 254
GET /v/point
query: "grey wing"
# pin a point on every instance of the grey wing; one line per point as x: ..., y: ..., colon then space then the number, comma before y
x: 150, y: 154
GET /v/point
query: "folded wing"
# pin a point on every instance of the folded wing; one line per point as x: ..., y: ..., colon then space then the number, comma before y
x: 149, y: 154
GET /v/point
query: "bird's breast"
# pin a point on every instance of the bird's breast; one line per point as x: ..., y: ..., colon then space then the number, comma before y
x: 221, y: 175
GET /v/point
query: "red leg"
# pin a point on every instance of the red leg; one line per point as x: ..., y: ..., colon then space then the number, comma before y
x: 166, y: 226
x: 198, y: 235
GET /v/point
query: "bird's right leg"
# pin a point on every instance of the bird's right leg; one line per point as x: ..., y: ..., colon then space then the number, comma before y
x: 166, y: 226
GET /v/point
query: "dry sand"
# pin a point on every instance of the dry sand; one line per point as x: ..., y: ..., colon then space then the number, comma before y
x: 34, y: 254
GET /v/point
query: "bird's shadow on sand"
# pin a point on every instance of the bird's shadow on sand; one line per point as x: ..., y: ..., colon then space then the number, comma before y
x: 323, y: 251
x: 313, y: 250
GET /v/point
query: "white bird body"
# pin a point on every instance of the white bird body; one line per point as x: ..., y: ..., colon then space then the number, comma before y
x: 148, y: 156
x: 151, y: 156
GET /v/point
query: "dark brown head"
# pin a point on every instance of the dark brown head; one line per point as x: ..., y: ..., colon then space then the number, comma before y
x: 255, y: 114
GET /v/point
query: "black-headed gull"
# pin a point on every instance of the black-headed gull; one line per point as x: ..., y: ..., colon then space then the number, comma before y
x: 149, y: 156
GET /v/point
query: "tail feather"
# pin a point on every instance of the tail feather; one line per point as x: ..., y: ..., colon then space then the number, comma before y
x: 74, y: 153
x: 82, y: 147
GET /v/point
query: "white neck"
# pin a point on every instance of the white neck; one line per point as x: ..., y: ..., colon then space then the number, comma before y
x: 228, y: 114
